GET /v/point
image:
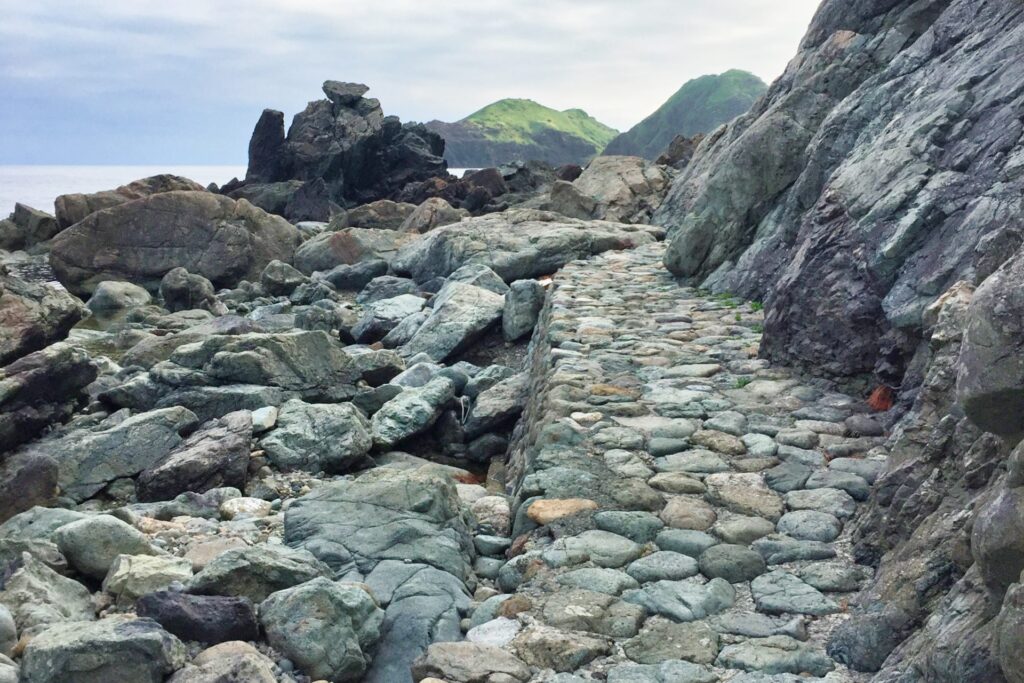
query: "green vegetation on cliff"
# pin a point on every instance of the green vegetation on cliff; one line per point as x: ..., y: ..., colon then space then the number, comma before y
x: 700, y: 106
x: 519, y: 130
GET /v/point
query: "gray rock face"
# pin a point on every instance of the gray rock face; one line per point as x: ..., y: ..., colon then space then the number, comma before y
x: 498, y: 405
x: 318, y: 437
x: 213, y: 457
x: 207, y: 234
x: 8, y: 632
x: 847, y: 226
x: 417, y: 518
x: 310, y: 364
x: 461, y: 313
x: 33, y: 316
x: 380, y: 317
x: 523, y: 302
x: 411, y: 412
x: 256, y: 572
x: 516, y: 244
x: 348, y: 247
x: 328, y: 629
x: 114, y: 649
x: 36, y: 596
x: 992, y: 358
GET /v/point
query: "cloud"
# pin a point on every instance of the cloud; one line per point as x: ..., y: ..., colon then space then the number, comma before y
x: 118, y: 81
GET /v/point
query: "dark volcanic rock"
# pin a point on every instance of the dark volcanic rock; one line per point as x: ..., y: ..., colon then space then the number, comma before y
x: 205, y: 618
x: 345, y: 140
x: 140, y: 242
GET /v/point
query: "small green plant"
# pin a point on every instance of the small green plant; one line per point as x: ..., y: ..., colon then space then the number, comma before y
x: 739, y: 317
x: 756, y: 306
x: 759, y: 328
x: 743, y: 381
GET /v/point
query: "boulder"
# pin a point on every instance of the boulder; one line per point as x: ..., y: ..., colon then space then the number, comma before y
x: 114, y: 649
x: 523, y: 304
x: 331, y: 438
x: 461, y: 313
x: 411, y: 412
x: 384, y: 315
x: 92, y: 545
x: 416, y: 517
x: 215, y: 456
x: 349, y: 246
x: 433, y: 213
x: 72, y: 208
x: 110, y: 297
x: 328, y: 629
x: 37, y: 596
x: 26, y: 227
x: 479, y: 275
x: 205, y: 618
x: 132, y: 576
x: 615, y: 188
x: 33, y: 316
x: 26, y: 480
x: 280, y: 279
x: 497, y: 406
x: 470, y: 663
x: 211, y: 235
x: 185, y: 291
x: 256, y: 572
x: 356, y: 276
x: 990, y: 383
x: 516, y: 244
x: 382, y: 214
x: 227, y: 663
x: 265, y: 148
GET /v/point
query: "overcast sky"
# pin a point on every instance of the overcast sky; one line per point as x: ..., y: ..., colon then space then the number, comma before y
x: 183, y: 81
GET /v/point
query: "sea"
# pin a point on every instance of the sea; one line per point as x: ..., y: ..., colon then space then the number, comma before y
x: 39, y: 186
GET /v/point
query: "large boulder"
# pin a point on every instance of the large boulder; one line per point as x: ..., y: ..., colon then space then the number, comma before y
x: 114, y: 649
x: 386, y: 514
x: 26, y: 227
x: 203, y: 618
x: 461, y: 313
x: 315, y: 438
x: 185, y: 291
x: 141, y: 241
x: 348, y: 246
x: 37, y: 596
x: 411, y: 412
x: 382, y: 214
x: 72, y: 208
x: 215, y: 456
x: 614, y: 188
x: 516, y: 244
x: 328, y: 629
x: 93, y: 544
x: 990, y: 384
x: 433, y: 213
x: 256, y: 572
x: 346, y: 140
x: 33, y: 315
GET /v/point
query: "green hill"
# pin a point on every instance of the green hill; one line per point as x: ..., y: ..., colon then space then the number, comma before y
x: 521, y: 130
x: 700, y: 106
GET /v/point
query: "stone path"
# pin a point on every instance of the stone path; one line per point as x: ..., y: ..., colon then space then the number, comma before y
x: 680, y: 503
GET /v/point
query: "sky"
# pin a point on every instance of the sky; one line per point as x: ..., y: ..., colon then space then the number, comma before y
x: 184, y: 81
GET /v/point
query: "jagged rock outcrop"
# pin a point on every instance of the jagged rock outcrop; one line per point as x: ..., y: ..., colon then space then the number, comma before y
x: 347, y: 142
x: 210, y: 235
x: 883, y: 166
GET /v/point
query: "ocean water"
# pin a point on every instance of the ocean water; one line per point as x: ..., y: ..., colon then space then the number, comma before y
x: 39, y: 186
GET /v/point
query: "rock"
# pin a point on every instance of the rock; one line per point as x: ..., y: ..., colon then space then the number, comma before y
x: 231, y: 661
x: 139, y: 242
x: 546, y: 511
x: 780, y: 592
x: 280, y: 279
x: 685, y: 541
x: 683, y: 601
x: 411, y: 412
x: 781, y: 549
x: 26, y: 227
x: 996, y: 540
x: 461, y: 313
x: 1009, y: 628
x: 8, y: 632
x: 592, y: 612
x: 185, y: 291
x: 432, y: 213
x: 349, y: 247
x: 742, y: 530
x: 331, y: 438
x: 356, y: 276
x: 550, y: 648
x: 688, y: 513
x: 310, y: 364
x: 26, y: 480
x: 245, y: 508
x: 345, y: 140
x: 734, y: 563
x: 114, y: 649
x: 111, y: 296
x: 662, y: 641
x: 33, y: 316
x: 380, y: 215
x: 204, y: 618
x: 810, y: 525
x: 523, y: 302
x: 479, y: 275
x: 663, y: 565
x: 380, y: 317
x: 834, y: 577
x: 990, y: 372
x: 417, y: 518
x: 499, y: 632
x: 300, y: 621
x: 603, y: 548
x: 599, y: 580
x: 132, y: 576
x: 498, y: 405
x: 470, y: 663
x: 36, y: 596
x: 622, y: 188
x: 833, y: 501
x: 92, y: 545
x: 744, y: 494
x: 72, y: 208
x: 675, y: 671
x: 641, y: 527
x: 775, y: 655
x: 215, y: 456
x: 517, y: 244
x: 256, y: 572
x: 385, y: 287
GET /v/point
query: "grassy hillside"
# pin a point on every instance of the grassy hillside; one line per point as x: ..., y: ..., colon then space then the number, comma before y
x: 700, y: 106
x: 520, y: 130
